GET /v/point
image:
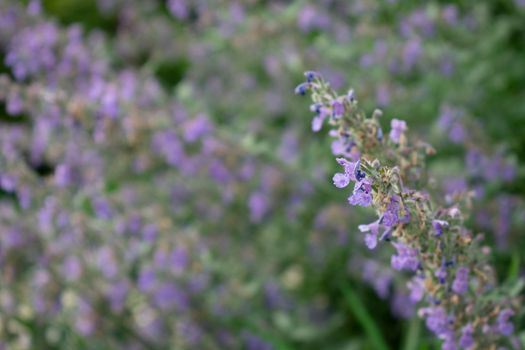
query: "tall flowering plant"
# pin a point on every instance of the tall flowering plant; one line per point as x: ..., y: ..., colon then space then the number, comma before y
x: 451, y: 276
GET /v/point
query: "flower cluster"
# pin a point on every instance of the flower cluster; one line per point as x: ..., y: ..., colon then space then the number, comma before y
x: 428, y: 234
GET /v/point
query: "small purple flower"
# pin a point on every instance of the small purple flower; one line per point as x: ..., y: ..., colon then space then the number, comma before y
x: 310, y: 76
x: 14, y: 104
x: 302, y: 88
x: 258, y: 205
x: 460, y: 284
x: 441, y: 274
x: 196, y: 128
x: 338, y: 109
x: 406, y: 258
x: 349, y: 168
x: 466, y: 340
x: 398, y: 128
x: 504, y: 326
x: 350, y: 95
x: 362, y: 194
x: 436, y: 320
x: 417, y: 289
x: 391, y: 217
x: 317, y: 121
x: 316, y: 108
x: 341, y: 180
x: 438, y: 226
x: 358, y: 173
x: 372, y: 231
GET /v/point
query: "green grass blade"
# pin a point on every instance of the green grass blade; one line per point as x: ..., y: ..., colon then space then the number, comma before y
x: 411, y: 341
x: 363, y: 317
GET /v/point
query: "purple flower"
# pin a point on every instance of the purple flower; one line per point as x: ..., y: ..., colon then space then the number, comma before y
x: 341, y: 180
x: 371, y: 230
x: 436, y: 320
x: 406, y: 258
x: 301, y: 89
x: 14, y: 104
x: 178, y: 8
x: 196, y: 128
x: 337, y: 109
x: 310, y: 76
x: 504, y: 326
x: 169, y: 295
x: 417, y: 289
x: 460, y: 284
x: 466, y: 340
x: 441, y: 274
x: 349, y: 167
x: 258, y: 205
x: 398, y: 128
x: 390, y: 217
x: 317, y: 121
x: 362, y: 194
x: 179, y: 259
x: 438, y: 226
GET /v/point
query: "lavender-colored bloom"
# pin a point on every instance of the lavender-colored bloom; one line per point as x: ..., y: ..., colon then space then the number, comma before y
x: 504, y: 326
x: 34, y: 8
x: 169, y: 295
x: 372, y: 231
x: 438, y: 226
x: 196, y: 128
x: 179, y: 259
x: 450, y: 14
x: 150, y: 232
x: 106, y: 262
x: 146, y: 279
x: 71, y: 268
x: 350, y: 95
x: 358, y: 173
x: 349, y: 168
x: 466, y: 340
x: 398, y: 128
x: 102, y: 207
x: 405, y: 259
x: 258, y: 205
x: 441, y: 274
x: 457, y: 133
x: 317, y: 121
x: 302, y: 88
x: 178, y: 8
x: 402, y: 306
x: 341, y: 180
x: 117, y: 295
x: 362, y: 194
x: 14, y: 104
x: 310, y: 76
x: 337, y: 109
x: 460, y: 284
x: 417, y: 288
x: 391, y: 217
x: 411, y: 53
x: 436, y: 320
x: 7, y: 183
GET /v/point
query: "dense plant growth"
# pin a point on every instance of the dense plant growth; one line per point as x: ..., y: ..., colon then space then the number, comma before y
x: 161, y: 188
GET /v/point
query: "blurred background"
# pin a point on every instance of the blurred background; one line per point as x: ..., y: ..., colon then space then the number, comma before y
x: 161, y: 188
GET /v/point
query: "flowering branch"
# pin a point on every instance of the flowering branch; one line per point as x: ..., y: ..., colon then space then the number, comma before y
x: 464, y: 307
